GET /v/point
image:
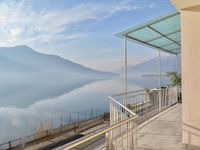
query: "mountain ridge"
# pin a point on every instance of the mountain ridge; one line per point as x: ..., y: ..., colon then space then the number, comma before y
x: 28, y: 76
x: 26, y: 57
x: 168, y: 64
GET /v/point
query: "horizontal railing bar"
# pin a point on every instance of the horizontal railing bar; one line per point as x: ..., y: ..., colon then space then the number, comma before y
x: 140, y: 90
x: 132, y: 96
x: 90, y: 137
x: 119, y: 94
x: 137, y: 94
x: 132, y: 113
x: 129, y: 96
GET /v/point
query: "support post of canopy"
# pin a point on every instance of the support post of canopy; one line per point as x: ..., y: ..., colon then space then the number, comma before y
x: 177, y: 63
x: 159, y: 79
x: 125, y: 70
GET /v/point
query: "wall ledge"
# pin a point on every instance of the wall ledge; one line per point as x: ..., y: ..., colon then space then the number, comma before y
x: 184, y: 4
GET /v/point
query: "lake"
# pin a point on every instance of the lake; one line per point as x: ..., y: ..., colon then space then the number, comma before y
x: 20, y: 115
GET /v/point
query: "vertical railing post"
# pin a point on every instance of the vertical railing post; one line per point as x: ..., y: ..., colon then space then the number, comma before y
x: 125, y: 70
x: 159, y: 79
x: 146, y: 93
x: 61, y: 120
x: 135, y: 136
x: 85, y: 115
x: 177, y: 63
x: 52, y: 123
x: 61, y: 124
x: 41, y: 124
x: 9, y: 145
x: 110, y: 111
x: 78, y: 116
x: 91, y: 113
x: 70, y: 117
x: 109, y: 143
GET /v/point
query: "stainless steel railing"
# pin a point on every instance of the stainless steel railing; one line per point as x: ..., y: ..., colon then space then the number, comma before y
x: 55, y: 126
x: 119, y: 135
x: 123, y: 140
x: 145, y: 103
x: 127, y: 110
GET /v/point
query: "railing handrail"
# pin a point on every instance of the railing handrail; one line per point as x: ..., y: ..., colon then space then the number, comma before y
x: 136, y: 91
x: 129, y: 92
x: 90, y: 137
x: 131, y: 112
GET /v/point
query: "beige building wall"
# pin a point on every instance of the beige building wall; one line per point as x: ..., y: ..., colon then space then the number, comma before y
x: 181, y: 4
x: 190, y: 34
x: 190, y: 26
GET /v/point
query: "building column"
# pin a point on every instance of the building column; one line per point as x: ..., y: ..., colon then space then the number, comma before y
x: 191, y: 77
x: 190, y: 43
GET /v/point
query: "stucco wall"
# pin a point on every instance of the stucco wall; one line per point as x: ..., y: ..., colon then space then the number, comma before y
x: 182, y: 4
x: 190, y: 34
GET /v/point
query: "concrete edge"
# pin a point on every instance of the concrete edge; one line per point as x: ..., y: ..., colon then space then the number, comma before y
x: 156, y: 116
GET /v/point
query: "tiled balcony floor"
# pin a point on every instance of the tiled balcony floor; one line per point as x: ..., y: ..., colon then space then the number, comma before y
x: 163, y: 132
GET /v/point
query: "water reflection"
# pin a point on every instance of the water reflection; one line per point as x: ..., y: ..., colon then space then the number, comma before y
x: 20, y: 121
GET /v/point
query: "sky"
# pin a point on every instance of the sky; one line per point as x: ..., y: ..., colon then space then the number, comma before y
x: 82, y: 31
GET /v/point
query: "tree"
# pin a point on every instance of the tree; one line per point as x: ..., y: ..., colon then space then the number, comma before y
x: 175, y: 78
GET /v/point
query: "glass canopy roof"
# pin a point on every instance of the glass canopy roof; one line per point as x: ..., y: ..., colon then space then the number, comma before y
x: 162, y: 33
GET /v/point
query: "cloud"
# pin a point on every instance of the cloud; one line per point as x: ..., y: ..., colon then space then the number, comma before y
x: 16, y: 32
x: 152, y: 5
x: 20, y: 23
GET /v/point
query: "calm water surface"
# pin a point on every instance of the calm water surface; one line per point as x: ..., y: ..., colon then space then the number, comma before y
x: 24, y: 117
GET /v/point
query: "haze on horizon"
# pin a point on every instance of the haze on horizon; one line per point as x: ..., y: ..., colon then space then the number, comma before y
x: 80, y: 31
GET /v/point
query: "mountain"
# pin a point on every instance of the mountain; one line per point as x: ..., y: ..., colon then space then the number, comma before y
x: 23, y: 58
x: 168, y: 63
x: 27, y: 76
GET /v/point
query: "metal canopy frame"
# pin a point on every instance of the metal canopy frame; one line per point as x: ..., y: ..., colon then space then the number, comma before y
x: 171, y: 41
x: 157, y: 33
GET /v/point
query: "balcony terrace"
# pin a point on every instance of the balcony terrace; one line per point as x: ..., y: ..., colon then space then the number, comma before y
x: 142, y: 124
x: 164, y: 131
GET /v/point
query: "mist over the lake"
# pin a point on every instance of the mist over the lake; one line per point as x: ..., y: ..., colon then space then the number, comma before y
x: 37, y: 87
x: 33, y: 87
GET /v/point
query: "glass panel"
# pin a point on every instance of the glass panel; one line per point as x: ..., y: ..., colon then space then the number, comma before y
x: 176, y: 51
x: 171, y: 47
x: 160, y: 42
x: 169, y: 25
x: 176, y: 36
x: 179, y: 51
x: 144, y: 34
